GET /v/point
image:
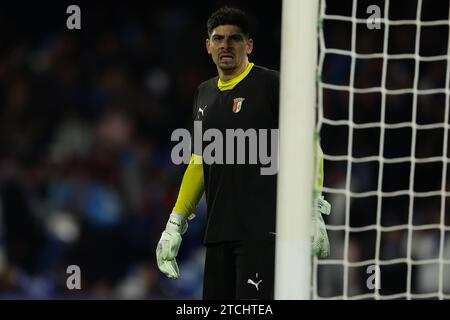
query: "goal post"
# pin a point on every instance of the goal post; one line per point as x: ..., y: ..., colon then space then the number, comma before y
x: 297, y: 124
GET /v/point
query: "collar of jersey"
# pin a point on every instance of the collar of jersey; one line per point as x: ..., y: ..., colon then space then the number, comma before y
x: 230, y: 84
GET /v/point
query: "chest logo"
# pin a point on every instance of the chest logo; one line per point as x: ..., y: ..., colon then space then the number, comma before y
x: 237, y: 104
x: 202, y: 110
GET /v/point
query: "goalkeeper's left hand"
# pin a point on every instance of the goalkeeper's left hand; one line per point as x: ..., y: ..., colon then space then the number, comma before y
x: 320, y: 245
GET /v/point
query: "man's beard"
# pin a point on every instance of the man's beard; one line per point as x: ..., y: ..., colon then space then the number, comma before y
x: 228, y: 67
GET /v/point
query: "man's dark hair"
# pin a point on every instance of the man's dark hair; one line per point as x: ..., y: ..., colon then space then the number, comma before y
x: 228, y: 16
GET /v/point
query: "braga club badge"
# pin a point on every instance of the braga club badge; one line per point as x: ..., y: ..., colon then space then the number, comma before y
x: 237, y: 104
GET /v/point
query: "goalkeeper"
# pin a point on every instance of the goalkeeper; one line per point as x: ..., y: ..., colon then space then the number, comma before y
x: 241, y: 203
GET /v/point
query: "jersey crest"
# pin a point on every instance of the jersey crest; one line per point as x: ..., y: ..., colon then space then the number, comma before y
x: 237, y: 104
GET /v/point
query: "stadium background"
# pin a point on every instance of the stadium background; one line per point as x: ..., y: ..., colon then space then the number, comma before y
x: 85, y: 124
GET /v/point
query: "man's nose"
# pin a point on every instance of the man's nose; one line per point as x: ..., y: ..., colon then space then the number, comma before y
x: 226, y: 43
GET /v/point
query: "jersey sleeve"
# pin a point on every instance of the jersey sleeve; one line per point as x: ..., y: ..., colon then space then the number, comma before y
x: 191, y: 189
x: 192, y: 184
x: 195, y: 106
x: 195, y: 118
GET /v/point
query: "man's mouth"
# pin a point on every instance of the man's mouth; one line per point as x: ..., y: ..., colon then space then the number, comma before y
x: 226, y: 57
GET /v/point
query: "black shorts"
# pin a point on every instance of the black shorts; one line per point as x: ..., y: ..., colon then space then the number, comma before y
x: 239, y: 270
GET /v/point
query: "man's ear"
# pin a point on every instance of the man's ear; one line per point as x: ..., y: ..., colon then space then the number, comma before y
x: 249, y: 45
x: 207, y: 43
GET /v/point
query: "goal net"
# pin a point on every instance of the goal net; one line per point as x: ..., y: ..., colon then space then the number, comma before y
x: 383, y: 117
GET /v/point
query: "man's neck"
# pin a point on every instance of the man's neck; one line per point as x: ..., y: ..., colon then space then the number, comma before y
x: 225, y: 76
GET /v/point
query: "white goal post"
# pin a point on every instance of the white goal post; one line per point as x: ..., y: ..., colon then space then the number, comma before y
x: 295, y: 175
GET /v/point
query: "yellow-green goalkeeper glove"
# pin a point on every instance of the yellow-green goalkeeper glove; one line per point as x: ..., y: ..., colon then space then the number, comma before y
x: 320, y: 244
x: 168, y: 245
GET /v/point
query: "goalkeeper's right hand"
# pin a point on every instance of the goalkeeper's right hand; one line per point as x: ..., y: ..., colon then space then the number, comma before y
x: 168, y: 245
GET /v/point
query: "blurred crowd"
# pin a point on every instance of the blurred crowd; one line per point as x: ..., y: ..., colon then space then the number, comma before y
x: 86, y: 118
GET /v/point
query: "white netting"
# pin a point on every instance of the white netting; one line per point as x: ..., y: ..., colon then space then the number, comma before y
x: 383, y: 97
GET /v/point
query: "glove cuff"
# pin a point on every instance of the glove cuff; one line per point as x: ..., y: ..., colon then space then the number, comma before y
x: 177, y: 223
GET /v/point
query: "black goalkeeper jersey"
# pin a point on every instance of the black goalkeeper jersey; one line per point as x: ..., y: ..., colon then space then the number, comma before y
x: 241, y: 202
